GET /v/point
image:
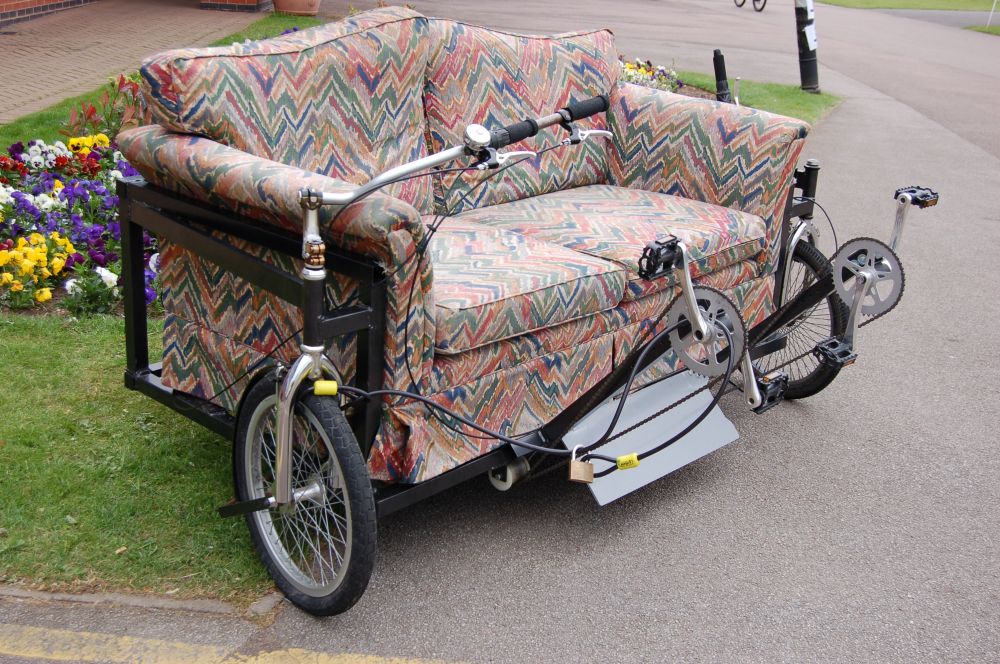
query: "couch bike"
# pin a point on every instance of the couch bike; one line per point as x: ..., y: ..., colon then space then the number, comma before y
x: 397, y: 253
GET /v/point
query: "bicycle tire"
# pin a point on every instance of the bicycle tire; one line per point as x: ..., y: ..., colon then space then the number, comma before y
x: 808, y: 376
x: 334, y: 530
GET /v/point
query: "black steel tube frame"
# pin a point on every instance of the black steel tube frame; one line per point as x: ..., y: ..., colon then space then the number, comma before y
x: 190, y: 224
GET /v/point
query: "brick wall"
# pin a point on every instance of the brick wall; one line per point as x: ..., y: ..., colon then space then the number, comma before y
x: 237, y: 5
x: 12, y: 11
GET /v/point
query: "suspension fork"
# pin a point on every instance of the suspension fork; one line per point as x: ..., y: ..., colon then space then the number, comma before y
x: 312, y: 363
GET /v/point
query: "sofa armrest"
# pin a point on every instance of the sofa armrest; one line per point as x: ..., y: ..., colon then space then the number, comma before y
x: 716, y: 153
x: 258, y: 188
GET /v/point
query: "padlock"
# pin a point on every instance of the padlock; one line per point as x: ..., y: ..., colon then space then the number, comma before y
x: 580, y: 471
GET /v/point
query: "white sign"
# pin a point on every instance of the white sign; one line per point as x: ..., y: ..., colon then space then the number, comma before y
x: 810, y: 31
x: 809, y: 6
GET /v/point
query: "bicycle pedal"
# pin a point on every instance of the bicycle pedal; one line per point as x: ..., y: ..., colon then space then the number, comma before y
x: 772, y: 388
x: 834, y: 352
x: 922, y: 197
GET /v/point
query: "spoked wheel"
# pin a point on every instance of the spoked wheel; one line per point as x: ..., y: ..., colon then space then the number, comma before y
x: 806, y: 375
x: 320, y: 550
x: 758, y: 5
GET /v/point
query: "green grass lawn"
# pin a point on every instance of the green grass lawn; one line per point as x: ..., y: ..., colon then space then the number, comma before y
x: 88, y: 467
x: 787, y: 100
x: 992, y: 30
x: 963, y: 5
x: 45, y: 124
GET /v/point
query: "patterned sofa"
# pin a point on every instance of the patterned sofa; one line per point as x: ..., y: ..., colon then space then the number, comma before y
x: 529, y: 295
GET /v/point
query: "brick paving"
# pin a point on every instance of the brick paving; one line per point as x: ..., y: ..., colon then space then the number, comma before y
x: 70, y: 52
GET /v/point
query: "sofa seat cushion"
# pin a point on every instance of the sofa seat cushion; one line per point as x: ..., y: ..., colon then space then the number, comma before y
x: 616, y: 223
x: 492, y: 284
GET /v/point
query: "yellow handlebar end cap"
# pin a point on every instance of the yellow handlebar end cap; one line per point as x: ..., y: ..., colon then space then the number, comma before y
x: 627, y: 461
x: 325, y: 388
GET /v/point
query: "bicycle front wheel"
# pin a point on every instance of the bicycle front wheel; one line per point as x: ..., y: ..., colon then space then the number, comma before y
x: 320, y: 550
x: 758, y: 5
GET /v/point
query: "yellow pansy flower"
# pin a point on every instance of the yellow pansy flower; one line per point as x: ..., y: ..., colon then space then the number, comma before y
x: 75, y: 143
x: 16, y: 287
x: 57, y: 186
x: 27, y: 267
x: 58, y: 264
x: 43, y: 294
x: 45, y: 273
x: 36, y: 238
x: 101, y: 140
x: 6, y: 278
x: 21, y: 243
x: 4, y: 257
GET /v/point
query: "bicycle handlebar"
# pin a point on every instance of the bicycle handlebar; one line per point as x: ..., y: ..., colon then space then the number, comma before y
x: 498, y: 138
x: 527, y: 128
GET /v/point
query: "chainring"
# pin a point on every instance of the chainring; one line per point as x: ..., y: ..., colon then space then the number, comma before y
x: 890, y: 280
x: 711, y: 358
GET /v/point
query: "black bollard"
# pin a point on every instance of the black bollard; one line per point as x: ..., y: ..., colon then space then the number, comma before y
x: 805, y: 15
x: 721, y: 81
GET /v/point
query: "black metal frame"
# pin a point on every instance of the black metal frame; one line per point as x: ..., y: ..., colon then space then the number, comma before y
x: 191, y: 224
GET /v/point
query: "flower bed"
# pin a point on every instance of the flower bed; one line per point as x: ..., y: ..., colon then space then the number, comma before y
x: 58, y: 224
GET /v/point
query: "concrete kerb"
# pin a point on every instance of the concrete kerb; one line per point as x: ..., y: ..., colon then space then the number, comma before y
x: 261, y: 607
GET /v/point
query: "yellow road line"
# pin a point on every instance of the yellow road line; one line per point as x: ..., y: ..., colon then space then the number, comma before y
x: 60, y: 645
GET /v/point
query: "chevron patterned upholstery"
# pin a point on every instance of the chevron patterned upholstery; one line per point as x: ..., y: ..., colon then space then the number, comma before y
x: 529, y: 295
x: 292, y: 99
x: 615, y: 223
x: 490, y: 284
x: 736, y: 157
x: 495, y: 78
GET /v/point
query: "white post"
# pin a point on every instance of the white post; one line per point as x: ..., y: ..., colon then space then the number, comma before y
x: 990, y: 19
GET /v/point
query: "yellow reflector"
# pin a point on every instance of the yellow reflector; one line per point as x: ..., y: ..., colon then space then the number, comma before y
x: 325, y: 388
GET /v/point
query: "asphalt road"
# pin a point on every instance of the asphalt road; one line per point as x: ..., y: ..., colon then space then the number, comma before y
x: 859, y: 525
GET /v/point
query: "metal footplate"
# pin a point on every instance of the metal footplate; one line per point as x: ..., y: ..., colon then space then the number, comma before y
x: 713, y: 432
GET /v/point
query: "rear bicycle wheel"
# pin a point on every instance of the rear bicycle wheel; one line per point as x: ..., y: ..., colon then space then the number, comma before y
x: 758, y: 5
x: 320, y: 550
x: 740, y: 3
x: 806, y: 374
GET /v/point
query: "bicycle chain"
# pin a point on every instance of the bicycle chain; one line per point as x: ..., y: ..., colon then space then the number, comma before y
x: 714, y: 381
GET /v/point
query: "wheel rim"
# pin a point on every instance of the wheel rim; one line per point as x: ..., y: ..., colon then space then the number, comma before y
x: 311, y: 540
x: 802, y: 334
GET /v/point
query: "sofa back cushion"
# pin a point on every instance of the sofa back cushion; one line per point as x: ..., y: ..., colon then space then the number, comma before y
x: 495, y: 78
x: 342, y: 99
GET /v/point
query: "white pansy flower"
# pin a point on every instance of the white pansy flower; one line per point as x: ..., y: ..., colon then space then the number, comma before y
x: 109, y: 278
x: 44, y: 202
x: 71, y: 286
x: 35, y: 161
x: 116, y: 175
x: 154, y: 262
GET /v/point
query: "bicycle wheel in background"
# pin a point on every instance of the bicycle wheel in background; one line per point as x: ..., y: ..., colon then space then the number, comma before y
x: 758, y: 5
x: 740, y: 3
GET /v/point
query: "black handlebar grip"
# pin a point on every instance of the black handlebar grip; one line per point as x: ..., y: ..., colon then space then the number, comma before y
x: 513, y: 133
x: 584, y: 109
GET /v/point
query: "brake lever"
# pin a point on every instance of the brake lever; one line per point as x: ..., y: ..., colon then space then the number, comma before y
x: 576, y: 136
x: 497, y: 159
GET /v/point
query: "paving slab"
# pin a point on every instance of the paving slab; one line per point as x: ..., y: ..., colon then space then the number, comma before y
x: 64, y: 54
